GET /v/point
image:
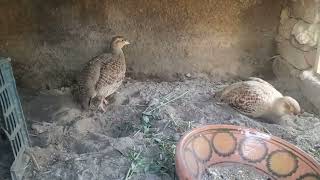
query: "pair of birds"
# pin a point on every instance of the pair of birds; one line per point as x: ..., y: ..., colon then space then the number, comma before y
x: 256, y: 98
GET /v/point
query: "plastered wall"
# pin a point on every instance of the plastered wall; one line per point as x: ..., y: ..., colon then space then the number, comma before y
x: 49, y: 41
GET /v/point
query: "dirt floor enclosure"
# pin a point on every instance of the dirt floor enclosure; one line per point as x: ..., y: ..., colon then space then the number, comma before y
x: 122, y: 142
x: 182, y: 53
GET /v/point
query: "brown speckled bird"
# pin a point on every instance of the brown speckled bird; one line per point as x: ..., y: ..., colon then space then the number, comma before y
x: 259, y: 99
x: 103, y: 75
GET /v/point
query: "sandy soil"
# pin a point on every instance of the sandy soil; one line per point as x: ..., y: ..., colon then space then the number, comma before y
x: 123, y: 144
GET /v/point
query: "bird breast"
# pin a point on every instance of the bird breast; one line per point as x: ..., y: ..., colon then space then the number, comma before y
x: 111, y: 76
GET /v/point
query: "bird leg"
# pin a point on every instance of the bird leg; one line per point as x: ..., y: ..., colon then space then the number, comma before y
x: 101, y: 106
x: 103, y: 103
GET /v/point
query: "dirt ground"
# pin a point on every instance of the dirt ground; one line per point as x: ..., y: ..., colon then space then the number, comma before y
x: 122, y: 143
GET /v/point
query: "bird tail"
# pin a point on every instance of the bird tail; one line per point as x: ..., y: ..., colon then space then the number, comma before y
x: 75, y: 93
x: 85, y: 103
x: 218, y: 95
x: 219, y: 91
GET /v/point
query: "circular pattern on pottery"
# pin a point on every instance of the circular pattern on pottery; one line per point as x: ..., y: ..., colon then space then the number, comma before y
x: 191, y: 162
x: 282, y: 163
x: 226, y: 147
x: 258, y: 146
x: 201, y: 148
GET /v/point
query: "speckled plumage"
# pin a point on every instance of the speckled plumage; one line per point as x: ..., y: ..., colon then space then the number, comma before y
x: 254, y: 97
x: 102, y: 76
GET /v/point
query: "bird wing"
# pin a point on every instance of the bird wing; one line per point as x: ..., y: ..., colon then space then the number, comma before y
x: 260, y: 81
x: 90, y: 76
x: 247, y: 98
x: 110, y: 73
x: 267, y: 86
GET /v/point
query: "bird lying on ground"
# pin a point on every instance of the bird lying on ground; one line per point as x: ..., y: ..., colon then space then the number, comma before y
x: 259, y: 99
x: 103, y: 75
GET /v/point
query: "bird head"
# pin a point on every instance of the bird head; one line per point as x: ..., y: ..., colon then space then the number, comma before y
x: 118, y: 42
x: 286, y: 106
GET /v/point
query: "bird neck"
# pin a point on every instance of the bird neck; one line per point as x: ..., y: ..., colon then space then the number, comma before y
x: 278, y: 108
x: 116, y: 51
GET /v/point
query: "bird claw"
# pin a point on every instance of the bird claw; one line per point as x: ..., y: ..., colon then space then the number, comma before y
x: 101, y: 107
x: 105, y: 102
x: 220, y: 103
x: 102, y: 104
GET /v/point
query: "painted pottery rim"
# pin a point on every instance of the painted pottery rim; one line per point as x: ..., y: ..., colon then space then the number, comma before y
x: 181, y: 169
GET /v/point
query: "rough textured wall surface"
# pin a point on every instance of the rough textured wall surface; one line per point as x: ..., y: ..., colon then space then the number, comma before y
x: 50, y: 41
x: 298, y: 45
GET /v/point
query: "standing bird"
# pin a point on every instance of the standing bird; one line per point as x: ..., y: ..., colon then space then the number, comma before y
x: 259, y: 99
x: 103, y: 75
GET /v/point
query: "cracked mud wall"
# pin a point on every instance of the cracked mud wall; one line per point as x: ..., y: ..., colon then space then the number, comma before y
x: 50, y: 42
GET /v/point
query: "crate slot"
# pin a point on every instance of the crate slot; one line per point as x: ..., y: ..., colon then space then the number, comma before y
x: 3, y: 102
x: 2, y: 88
x: 7, y: 97
x: 1, y: 79
x: 3, y: 108
x: 9, y: 111
x: 15, y: 132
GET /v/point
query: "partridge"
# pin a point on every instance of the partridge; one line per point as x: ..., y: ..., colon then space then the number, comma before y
x: 103, y: 75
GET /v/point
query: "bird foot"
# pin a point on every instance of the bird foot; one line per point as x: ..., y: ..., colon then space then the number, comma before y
x: 101, y: 106
x: 220, y: 103
x: 103, y: 103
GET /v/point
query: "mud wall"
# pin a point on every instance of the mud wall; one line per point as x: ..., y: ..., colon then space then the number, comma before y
x: 50, y: 41
x: 297, y: 44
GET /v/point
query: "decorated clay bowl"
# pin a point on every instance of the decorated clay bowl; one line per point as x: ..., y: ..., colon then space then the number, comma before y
x: 217, y: 145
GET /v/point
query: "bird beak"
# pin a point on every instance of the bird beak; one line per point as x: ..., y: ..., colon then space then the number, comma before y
x: 126, y: 42
x: 297, y: 113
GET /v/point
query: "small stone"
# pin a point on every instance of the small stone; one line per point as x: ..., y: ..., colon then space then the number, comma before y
x: 39, y: 129
x: 176, y: 136
x: 122, y: 144
x: 188, y: 75
x: 154, y: 102
x: 152, y: 177
x: 86, y: 125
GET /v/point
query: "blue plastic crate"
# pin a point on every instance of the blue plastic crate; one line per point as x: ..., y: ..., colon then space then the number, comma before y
x: 12, y: 120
